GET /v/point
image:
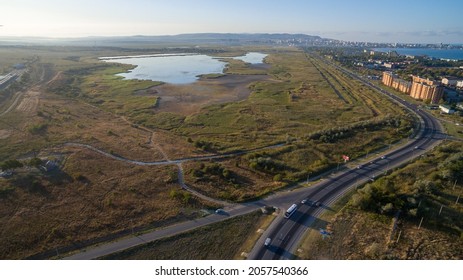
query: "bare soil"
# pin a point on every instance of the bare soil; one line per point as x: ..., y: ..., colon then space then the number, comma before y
x: 29, y: 102
x: 4, y: 133
x: 189, y: 99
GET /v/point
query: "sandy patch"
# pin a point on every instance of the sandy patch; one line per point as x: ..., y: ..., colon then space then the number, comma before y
x: 30, y: 102
x: 4, y: 133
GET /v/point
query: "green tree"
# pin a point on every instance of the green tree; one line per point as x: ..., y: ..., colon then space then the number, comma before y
x: 11, y: 164
x: 35, y: 162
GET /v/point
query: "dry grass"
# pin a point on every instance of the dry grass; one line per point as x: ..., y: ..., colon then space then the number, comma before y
x: 93, y: 196
x: 218, y: 241
x: 90, y: 197
x: 359, y: 235
x: 369, y: 234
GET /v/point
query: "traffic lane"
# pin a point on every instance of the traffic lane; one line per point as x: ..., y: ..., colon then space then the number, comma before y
x: 369, y: 170
x: 332, y: 184
x: 288, y: 230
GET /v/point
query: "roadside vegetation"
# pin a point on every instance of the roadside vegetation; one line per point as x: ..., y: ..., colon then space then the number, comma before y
x: 414, y: 213
x: 220, y: 241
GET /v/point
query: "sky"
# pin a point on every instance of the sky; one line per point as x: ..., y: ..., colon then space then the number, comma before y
x: 393, y: 21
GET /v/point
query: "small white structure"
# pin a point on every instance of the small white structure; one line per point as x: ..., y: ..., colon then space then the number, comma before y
x: 49, y: 166
x: 446, y: 109
x: 450, y: 81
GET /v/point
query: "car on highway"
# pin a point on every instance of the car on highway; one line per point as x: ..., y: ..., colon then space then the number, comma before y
x: 383, y: 157
x: 359, y: 167
x: 304, y: 201
x: 220, y: 211
x: 267, y: 242
x: 315, y: 203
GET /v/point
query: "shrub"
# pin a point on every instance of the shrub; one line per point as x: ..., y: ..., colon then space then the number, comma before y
x: 11, y: 164
x: 38, y: 128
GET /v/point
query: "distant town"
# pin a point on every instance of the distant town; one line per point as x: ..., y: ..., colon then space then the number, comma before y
x: 429, y: 80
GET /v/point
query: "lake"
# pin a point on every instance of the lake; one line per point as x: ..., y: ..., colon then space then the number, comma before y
x: 177, y: 68
x: 454, y: 54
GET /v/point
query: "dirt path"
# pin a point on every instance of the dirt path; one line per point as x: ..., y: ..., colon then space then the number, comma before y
x: 16, y: 98
x: 177, y: 162
x: 30, y: 98
x: 30, y: 101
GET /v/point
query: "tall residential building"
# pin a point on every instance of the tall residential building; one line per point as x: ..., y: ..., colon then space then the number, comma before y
x: 391, y: 80
x: 419, y: 88
x: 388, y: 78
x: 426, y: 89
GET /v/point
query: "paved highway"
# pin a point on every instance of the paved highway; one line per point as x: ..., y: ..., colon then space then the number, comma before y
x: 287, y: 233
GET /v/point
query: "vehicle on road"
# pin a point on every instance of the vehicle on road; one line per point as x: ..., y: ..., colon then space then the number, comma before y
x: 383, y: 157
x: 290, y: 211
x: 267, y: 242
x: 315, y: 203
x: 304, y: 201
x: 220, y: 211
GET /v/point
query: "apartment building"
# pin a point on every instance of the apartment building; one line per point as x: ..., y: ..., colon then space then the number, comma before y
x: 418, y: 88
x: 426, y: 89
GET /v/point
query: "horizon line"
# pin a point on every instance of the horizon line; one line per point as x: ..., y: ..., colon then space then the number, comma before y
x: 203, y: 33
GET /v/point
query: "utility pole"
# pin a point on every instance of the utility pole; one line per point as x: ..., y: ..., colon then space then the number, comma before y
x: 398, y: 238
x: 454, y: 184
x: 440, y: 211
x: 458, y: 198
x: 419, y: 226
x: 131, y: 220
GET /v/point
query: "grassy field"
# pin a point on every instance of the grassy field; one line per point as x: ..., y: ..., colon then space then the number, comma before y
x: 423, y: 192
x: 220, y: 241
x: 71, y: 96
x: 87, y: 197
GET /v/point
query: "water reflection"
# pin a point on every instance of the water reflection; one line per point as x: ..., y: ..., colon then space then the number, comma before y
x: 176, y: 68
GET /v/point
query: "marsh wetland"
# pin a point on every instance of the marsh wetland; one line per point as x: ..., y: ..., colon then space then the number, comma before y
x: 69, y: 96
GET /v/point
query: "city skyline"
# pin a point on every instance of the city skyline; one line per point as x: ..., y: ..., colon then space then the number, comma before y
x: 366, y: 21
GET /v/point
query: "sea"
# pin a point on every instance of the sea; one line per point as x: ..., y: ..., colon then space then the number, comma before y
x: 452, y: 54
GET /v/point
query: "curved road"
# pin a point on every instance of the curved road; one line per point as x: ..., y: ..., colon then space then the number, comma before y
x: 287, y: 233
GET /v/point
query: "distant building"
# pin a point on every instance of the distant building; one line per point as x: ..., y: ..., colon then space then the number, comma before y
x: 446, y: 109
x: 450, y: 81
x: 389, y: 65
x: 19, y: 66
x: 452, y: 96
